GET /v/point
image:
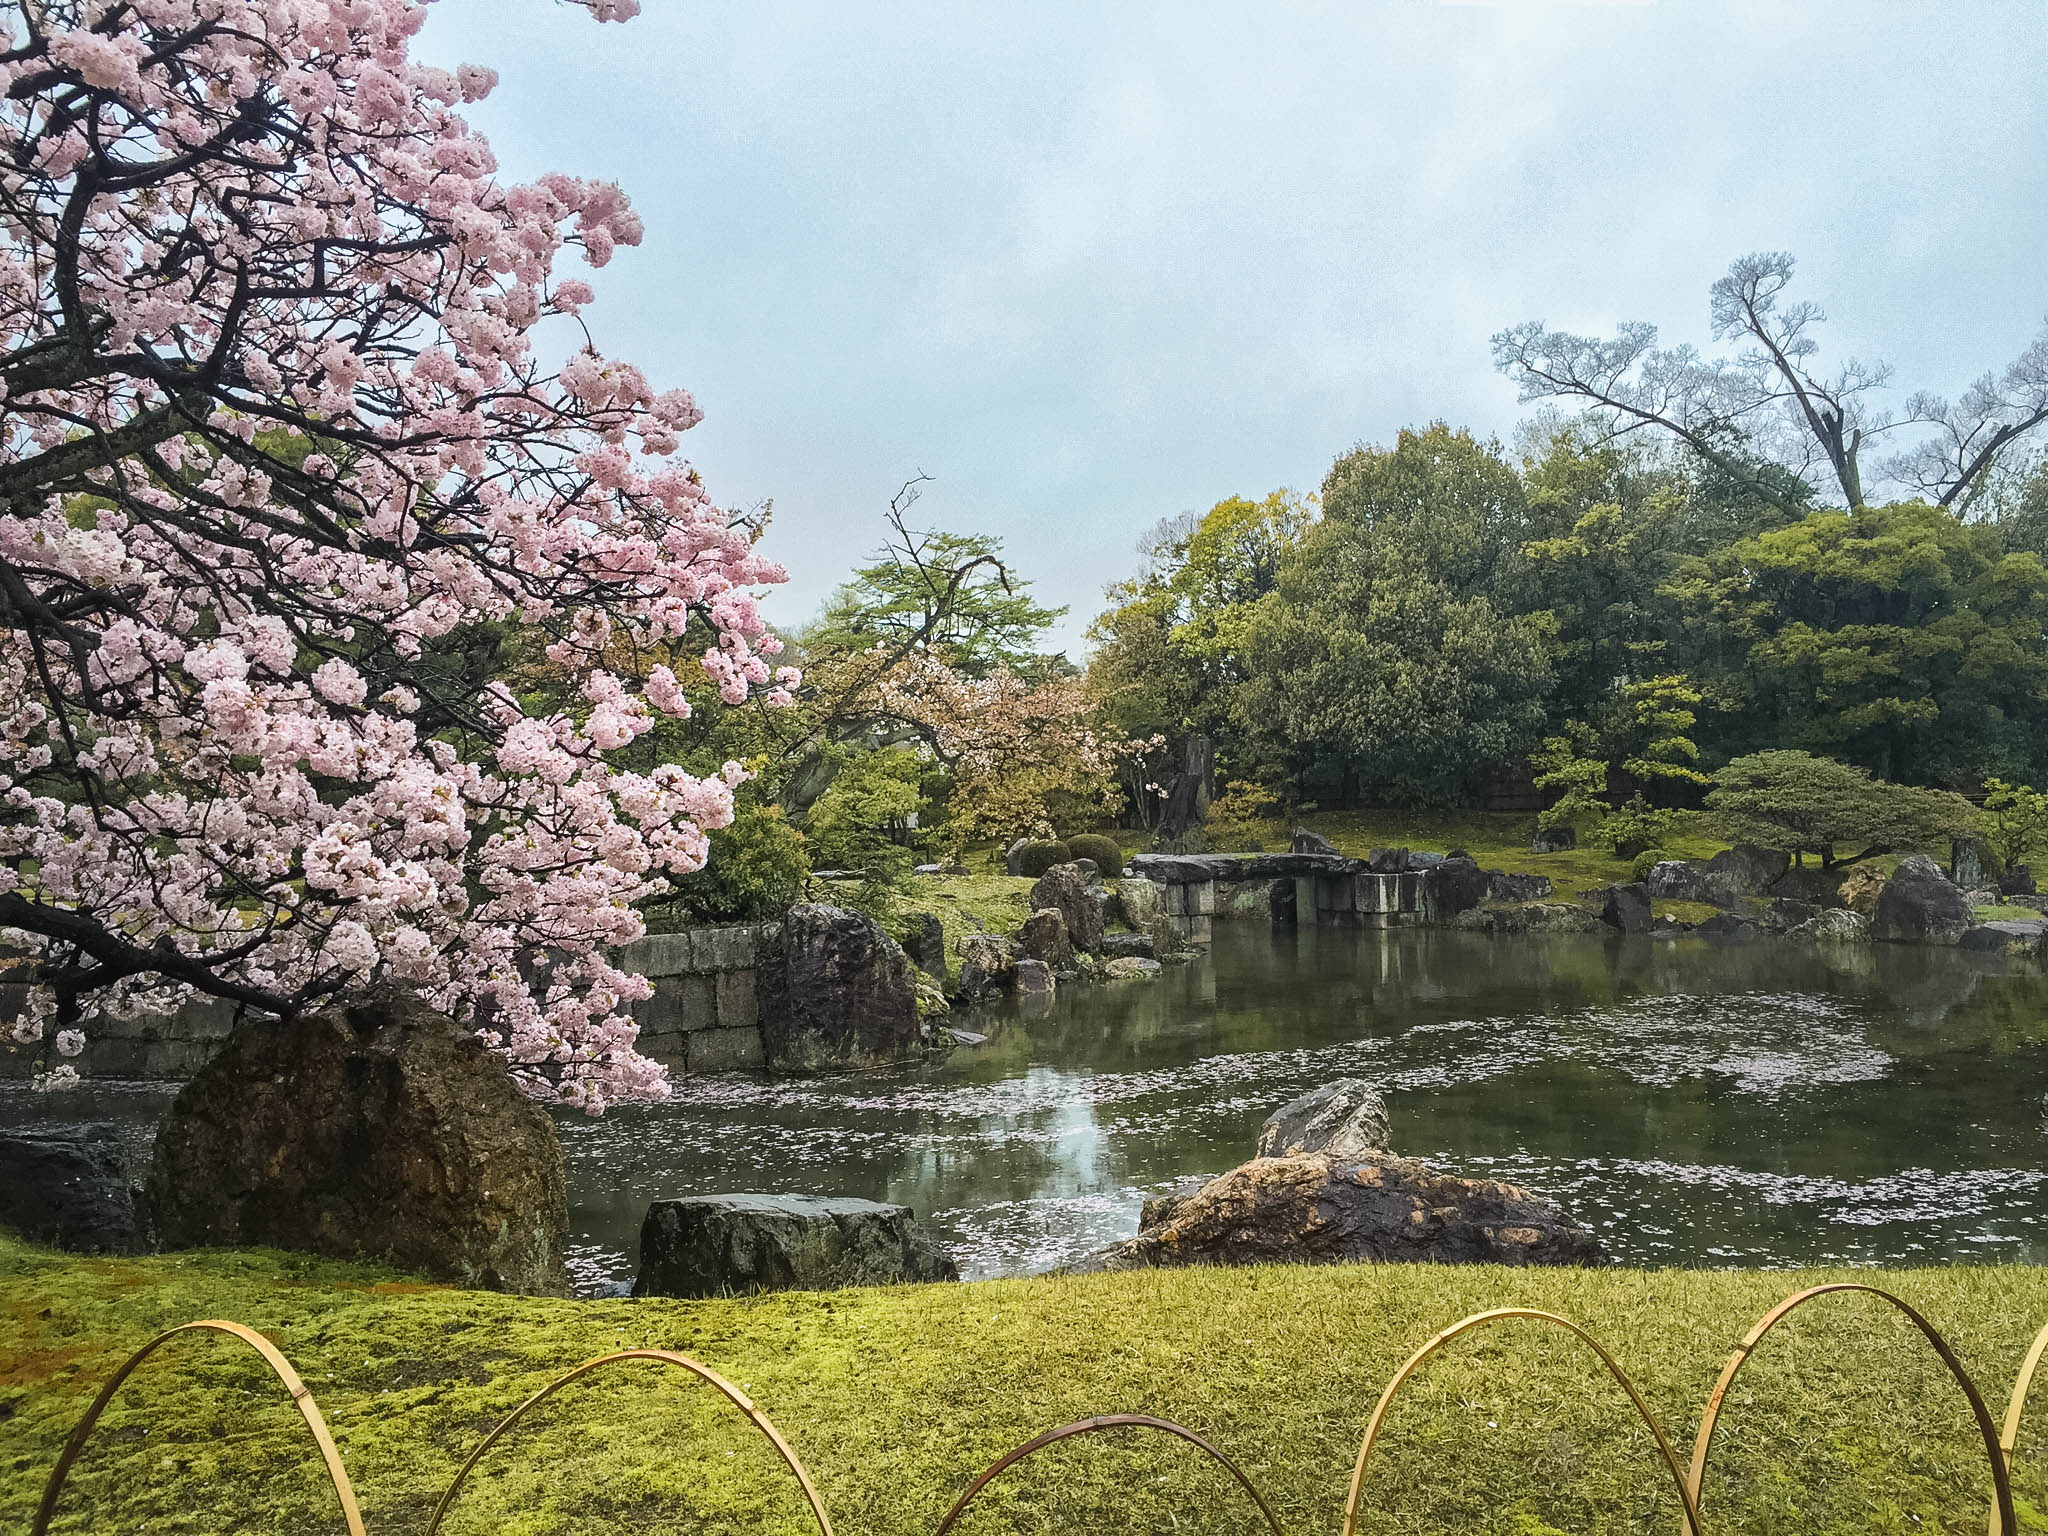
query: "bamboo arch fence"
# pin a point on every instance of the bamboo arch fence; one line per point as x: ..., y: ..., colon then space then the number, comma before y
x: 1688, y: 1479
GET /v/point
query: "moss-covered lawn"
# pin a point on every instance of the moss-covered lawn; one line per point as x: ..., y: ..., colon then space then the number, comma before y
x: 895, y: 1399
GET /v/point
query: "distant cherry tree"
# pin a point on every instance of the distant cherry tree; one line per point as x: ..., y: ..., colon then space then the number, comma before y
x: 285, y: 469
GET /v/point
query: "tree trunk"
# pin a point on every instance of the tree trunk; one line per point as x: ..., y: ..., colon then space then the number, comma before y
x: 1188, y: 803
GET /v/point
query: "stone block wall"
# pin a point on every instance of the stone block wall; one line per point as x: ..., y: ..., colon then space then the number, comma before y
x: 151, y: 1046
x: 704, y: 1015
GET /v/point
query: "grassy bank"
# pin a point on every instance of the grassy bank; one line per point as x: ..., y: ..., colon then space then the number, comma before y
x: 895, y: 1399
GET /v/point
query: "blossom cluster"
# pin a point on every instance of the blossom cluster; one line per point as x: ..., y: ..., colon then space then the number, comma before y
x: 281, y: 457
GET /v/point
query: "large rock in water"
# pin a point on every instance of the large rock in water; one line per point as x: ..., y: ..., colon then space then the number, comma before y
x: 712, y: 1245
x: 68, y: 1187
x: 836, y: 991
x: 1456, y: 885
x: 1626, y: 907
x: 1044, y: 937
x: 379, y: 1131
x: 1318, y: 1209
x: 1347, y: 1118
x: 1920, y: 905
x: 1065, y: 886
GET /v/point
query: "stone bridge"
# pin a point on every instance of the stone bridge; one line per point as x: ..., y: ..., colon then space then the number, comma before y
x: 1390, y: 887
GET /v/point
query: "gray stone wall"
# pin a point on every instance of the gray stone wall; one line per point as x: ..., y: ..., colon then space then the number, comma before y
x: 151, y: 1046
x: 704, y: 1015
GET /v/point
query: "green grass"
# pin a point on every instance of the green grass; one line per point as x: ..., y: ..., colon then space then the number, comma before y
x: 983, y: 902
x: 2001, y: 914
x: 1842, y: 1422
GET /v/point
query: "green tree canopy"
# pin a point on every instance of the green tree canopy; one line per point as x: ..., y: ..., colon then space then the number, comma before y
x: 1806, y: 804
x: 1898, y: 637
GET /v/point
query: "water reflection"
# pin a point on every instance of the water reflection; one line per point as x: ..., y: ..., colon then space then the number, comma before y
x: 1753, y: 1104
x: 1761, y: 1104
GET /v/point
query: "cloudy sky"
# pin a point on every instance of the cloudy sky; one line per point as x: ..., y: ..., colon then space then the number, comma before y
x: 1091, y: 265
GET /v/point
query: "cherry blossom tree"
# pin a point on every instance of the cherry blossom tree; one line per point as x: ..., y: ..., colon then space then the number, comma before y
x: 284, y: 468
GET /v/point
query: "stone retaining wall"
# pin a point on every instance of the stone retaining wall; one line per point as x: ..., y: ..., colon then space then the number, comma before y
x: 704, y: 1015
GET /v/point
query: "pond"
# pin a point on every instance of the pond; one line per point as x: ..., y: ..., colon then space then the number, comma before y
x: 1762, y: 1104
x: 1757, y: 1105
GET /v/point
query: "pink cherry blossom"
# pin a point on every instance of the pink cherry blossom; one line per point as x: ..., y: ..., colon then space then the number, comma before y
x: 278, y: 437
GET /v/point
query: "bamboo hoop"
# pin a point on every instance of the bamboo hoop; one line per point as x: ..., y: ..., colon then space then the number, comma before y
x: 280, y: 1367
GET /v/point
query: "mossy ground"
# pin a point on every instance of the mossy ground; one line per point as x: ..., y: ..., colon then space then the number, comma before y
x: 896, y: 1398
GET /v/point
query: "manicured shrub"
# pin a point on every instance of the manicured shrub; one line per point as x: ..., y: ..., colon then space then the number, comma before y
x: 1108, y: 856
x: 1646, y: 861
x: 1034, y: 859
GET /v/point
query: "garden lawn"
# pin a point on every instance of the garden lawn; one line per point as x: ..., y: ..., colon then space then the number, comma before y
x: 1842, y: 1422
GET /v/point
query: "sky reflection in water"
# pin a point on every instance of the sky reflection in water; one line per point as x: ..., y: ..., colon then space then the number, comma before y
x: 1757, y: 1105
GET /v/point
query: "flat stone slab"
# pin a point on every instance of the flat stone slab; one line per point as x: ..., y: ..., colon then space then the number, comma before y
x: 1190, y: 868
x: 1993, y: 938
x: 715, y: 1245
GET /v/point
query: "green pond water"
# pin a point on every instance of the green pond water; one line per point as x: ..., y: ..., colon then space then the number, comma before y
x: 1755, y: 1105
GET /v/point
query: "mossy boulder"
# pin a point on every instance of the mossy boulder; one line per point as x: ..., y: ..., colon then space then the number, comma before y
x: 1105, y: 853
x: 379, y: 1131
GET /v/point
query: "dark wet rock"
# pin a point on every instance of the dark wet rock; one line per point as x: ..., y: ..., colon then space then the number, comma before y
x: 1920, y: 905
x: 1318, y: 1209
x: 1748, y: 870
x: 2017, y: 881
x: 987, y: 961
x: 926, y: 945
x: 1454, y: 886
x: 1282, y: 902
x: 1065, y: 887
x: 1626, y: 907
x: 1553, y: 840
x: 1668, y: 927
x: 1834, y: 925
x: 1996, y: 938
x: 1502, y: 886
x: 715, y: 1245
x: 1120, y: 946
x: 1728, y: 928
x: 1387, y: 861
x: 379, y: 1131
x: 1530, y: 917
x: 1044, y: 937
x: 1162, y: 1206
x: 836, y: 991
x: 1791, y: 912
x: 1033, y: 979
x: 1418, y: 860
x: 1676, y: 880
x: 67, y: 1187
x: 1345, y: 1118
x: 1305, y: 841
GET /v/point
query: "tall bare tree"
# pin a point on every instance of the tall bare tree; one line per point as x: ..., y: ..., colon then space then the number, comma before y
x: 1770, y: 402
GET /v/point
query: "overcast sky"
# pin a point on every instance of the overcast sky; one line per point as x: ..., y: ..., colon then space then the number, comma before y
x: 1091, y: 265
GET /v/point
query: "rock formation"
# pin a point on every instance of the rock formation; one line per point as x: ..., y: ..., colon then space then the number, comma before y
x: 715, y: 1245
x: 379, y: 1131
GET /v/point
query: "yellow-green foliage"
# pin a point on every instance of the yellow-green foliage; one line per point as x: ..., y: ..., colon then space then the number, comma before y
x: 981, y: 903
x: 1842, y: 1422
